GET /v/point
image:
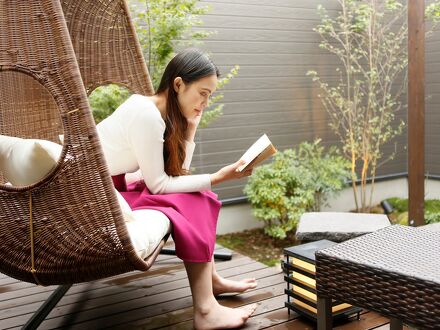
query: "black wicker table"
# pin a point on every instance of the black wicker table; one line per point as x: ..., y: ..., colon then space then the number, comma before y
x: 394, y: 271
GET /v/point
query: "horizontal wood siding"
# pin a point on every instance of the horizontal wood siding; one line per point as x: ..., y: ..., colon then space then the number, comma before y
x: 274, y: 44
x: 432, y: 103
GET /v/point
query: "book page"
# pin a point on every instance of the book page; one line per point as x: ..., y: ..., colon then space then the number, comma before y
x: 258, y: 152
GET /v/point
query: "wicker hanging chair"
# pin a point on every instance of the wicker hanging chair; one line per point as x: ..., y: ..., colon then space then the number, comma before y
x: 68, y: 227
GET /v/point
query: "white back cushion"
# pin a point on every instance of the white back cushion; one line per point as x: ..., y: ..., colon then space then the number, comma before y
x: 27, y: 161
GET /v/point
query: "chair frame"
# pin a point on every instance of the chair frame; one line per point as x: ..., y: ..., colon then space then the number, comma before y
x: 61, y: 50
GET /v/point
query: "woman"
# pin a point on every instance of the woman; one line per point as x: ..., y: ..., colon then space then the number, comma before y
x: 156, y: 135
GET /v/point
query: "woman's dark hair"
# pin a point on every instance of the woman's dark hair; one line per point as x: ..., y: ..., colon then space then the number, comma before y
x: 191, y: 65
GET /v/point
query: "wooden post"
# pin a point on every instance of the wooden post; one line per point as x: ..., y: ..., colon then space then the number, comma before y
x: 416, y: 111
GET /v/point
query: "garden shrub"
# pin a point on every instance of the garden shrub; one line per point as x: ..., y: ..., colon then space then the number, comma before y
x: 298, y: 180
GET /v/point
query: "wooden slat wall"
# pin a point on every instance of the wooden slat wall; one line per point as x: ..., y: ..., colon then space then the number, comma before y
x: 273, y: 42
x: 432, y: 102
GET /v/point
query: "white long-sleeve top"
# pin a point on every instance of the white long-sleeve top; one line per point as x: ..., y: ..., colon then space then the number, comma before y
x: 132, y: 138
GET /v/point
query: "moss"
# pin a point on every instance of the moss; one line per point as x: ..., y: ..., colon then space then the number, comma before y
x: 257, y: 245
x: 400, y: 214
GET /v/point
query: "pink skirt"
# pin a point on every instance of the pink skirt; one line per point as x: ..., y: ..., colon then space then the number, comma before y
x: 193, y: 216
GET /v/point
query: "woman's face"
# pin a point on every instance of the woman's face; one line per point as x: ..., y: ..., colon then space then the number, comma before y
x: 193, y: 97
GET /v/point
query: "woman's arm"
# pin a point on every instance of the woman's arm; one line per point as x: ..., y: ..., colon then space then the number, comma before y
x: 133, y: 177
x: 189, y: 151
x: 145, y: 138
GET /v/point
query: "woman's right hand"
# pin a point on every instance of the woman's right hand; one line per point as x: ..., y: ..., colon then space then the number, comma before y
x: 230, y: 172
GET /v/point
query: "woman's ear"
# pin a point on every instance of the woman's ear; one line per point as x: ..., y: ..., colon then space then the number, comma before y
x: 177, y: 84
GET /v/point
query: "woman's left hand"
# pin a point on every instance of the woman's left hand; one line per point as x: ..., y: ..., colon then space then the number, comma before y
x: 193, y: 123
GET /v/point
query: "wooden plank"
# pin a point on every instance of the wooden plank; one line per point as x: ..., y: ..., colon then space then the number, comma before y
x: 281, y: 3
x: 123, y: 313
x: 276, y: 317
x: 146, y: 285
x: 367, y: 320
x: 266, y: 106
x: 222, y: 156
x: 259, y: 34
x: 6, y: 280
x: 416, y: 111
x: 206, y: 162
x: 274, y: 12
x: 23, y: 289
x: 251, y: 83
x: 121, y: 303
x: 304, y: 323
x: 299, y: 118
x: 169, y: 273
x: 309, y: 61
x: 206, y: 147
x: 270, y: 83
x: 299, y: 323
x: 265, y: 47
x: 433, y: 64
x: 185, y: 314
x: 267, y: 305
x: 279, y: 70
x: 387, y: 327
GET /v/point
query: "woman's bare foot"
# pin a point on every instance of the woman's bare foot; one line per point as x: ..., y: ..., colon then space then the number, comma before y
x: 217, y: 316
x: 221, y: 285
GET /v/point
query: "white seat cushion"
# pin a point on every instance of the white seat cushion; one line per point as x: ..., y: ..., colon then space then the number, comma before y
x: 147, y: 230
x: 27, y: 161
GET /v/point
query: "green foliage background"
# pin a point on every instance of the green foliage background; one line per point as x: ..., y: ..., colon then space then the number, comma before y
x: 163, y: 26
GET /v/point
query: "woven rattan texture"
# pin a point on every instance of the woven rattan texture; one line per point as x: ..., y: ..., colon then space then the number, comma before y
x: 105, y: 44
x: 394, y: 271
x: 79, y: 231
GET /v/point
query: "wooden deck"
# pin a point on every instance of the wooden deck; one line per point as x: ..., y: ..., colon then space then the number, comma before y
x: 157, y: 299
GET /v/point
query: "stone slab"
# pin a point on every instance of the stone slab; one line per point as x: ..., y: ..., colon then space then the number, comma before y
x: 338, y: 226
x: 431, y: 227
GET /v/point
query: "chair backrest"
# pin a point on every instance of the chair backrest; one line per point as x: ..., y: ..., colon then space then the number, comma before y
x: 105, y: 43
x: 67, y: 227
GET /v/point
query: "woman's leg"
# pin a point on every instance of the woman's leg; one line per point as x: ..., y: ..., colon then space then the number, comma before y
x: 208, y: 313
x: 222, y: 285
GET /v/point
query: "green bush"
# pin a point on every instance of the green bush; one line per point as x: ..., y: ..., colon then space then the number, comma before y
x: 329, y: 170
x: 105, y: 99
x: 298, y: 180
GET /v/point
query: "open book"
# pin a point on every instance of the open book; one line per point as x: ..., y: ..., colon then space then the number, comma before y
x: 259, y: 151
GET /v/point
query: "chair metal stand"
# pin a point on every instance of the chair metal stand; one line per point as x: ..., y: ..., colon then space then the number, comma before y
x: 40, y: 315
